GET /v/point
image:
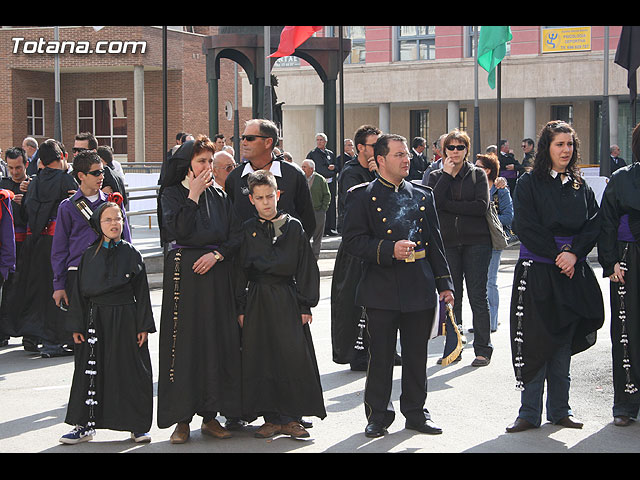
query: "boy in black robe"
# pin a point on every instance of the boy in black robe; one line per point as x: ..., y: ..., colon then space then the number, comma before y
x: 278, y: 283
x: 110, y: 317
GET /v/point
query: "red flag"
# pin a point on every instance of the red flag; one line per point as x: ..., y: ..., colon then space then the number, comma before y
x: 291, y: 38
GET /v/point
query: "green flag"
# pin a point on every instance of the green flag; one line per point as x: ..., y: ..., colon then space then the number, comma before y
x: 492, y: 47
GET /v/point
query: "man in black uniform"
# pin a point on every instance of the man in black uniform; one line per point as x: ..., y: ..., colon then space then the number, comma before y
x: 258, y: 140
x: 393, y: 226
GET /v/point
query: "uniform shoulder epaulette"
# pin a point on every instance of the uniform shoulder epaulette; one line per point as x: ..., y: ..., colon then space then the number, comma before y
x: 360, y: 185
x: 418, y: 183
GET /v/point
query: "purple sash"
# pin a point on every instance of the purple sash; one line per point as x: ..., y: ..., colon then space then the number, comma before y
x: 509, y: 173
x: 176, y: 246
x: 527, y: 254
x: 624, y: 232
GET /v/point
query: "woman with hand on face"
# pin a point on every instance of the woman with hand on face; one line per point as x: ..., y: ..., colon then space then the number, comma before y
x: 618, y: 253
x: 556, y: 302
x: 199, y: 336
x: 462, y: 199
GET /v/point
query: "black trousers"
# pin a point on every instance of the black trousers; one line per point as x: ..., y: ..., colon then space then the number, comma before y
x: 382, y: 328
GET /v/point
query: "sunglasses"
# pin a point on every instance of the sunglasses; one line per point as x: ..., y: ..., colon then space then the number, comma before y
x: 451, y: 148
x: 79, y: 149
x: 251, y: 138
x: 96, y: 173
x: 227, y: 168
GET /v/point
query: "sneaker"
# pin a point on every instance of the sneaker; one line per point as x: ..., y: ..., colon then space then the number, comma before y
x: 140, y: 437
x: 77, y: 435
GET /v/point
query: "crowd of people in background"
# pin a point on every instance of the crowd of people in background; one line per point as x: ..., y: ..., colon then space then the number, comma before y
x: 242, y: 233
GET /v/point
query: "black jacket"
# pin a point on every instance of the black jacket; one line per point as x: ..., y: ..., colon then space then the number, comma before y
x: 462, y: 204
x: 377, y: 215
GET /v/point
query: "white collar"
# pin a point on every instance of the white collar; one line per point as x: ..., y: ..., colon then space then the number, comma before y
x: 554, y: 174
x: 274, y: 168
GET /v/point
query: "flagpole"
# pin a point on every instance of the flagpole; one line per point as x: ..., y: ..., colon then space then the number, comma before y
x: 499, y: 101
x: 57, y: 113
x: 340, y: 62
x: 476, y: 109
x: 268, y: 114
x: 605, y: 165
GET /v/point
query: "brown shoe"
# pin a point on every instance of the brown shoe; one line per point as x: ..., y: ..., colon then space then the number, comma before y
x: 214, y: 429
x: 294, y: 429
x: 622, y: 421
x: 181, y: 433
x: 267, y: 430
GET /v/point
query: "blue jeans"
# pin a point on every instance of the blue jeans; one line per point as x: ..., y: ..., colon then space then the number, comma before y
x: 556, y: 374
x: 492, y: 288
x: 469, y: 264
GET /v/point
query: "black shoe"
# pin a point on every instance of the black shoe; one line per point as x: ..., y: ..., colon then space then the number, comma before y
x: 427, y: 427
x: 439, y: 362
x: 520, y: 425
x: 4, y: 342
x: 374, y: 430
x: 568, y: 422
x: 234, y: 424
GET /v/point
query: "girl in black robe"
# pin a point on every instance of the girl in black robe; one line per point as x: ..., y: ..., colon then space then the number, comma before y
x: 277, y: 284
x: 199, y: 365
x: 619, y: 255
x: 556, y: 302
x: 110, y: 318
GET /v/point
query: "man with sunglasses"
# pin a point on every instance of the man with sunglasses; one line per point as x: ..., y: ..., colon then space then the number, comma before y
x: 258, y: 141
x: 74, y: 233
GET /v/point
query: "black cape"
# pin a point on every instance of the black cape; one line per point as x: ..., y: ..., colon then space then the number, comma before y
x: 112, y: 291
x: 347, y: 270
x: 557, y: 310
x: 38, y: 314
x: 202, y: 374
x: 277, y: 282
x: 622, y: 197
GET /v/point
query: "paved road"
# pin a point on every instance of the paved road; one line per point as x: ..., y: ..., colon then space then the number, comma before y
x: 473, y: 406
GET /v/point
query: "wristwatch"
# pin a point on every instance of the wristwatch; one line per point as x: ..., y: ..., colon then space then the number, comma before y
x: 217, y: 256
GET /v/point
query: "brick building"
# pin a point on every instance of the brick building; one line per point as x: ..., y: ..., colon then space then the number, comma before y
x: 117, y: 95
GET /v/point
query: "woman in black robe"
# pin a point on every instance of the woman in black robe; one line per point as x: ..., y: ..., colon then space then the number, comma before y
x: 110, y: 318
x: 619, y: 255
x: 199, y: 367
x: 278, y: 282
x: 556, y: 302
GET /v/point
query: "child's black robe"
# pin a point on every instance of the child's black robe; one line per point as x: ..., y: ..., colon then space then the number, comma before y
x: 112, y: 287
x: 277, y: 283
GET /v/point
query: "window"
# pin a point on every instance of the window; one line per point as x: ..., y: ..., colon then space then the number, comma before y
x: 358, y: 47
x: 35, y: 117
x: 419, y: 123
x: 107, y: 120
x: 562, y: 112
x: 464, y: 121
x: 416, y: 43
